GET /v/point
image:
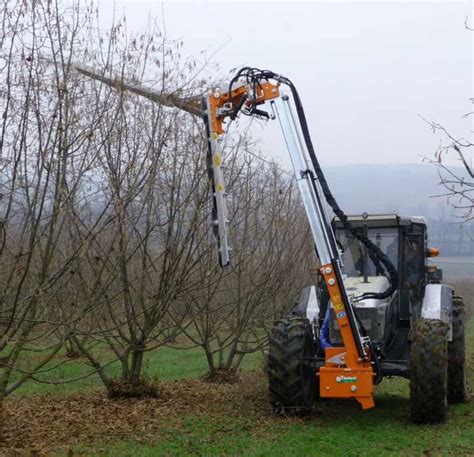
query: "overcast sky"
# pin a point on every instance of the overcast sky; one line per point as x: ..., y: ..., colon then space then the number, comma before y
x: 365, y: 71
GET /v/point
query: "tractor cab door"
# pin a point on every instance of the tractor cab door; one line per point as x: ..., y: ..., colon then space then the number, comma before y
x: 412, y: 267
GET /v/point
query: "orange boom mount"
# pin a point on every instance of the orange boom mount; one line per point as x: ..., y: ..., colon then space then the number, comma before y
x: 346, y: 373
x: 222, y: 105
x: 350, y: 370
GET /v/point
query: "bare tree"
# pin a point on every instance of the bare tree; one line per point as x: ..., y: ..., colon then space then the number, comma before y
x: 150, y: 183
x: 100, y: 191
x: 228, y: 315
x: 141, y: 263
x: 458, y: 185
x: 47, y: 158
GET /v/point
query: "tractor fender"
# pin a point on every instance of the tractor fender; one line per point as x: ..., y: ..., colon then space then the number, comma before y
x: 308, y: 304
x: 438, y: 305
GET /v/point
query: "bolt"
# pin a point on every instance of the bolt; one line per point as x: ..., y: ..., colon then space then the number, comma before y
x: 327, y: 387
x: 331, y: 282
x: 327, y: 270
x: 353, y: 389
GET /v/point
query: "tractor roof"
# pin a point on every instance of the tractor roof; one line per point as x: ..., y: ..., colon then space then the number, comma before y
x: 382, y: 220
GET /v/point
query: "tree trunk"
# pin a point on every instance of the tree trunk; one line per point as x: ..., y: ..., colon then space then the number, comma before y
x: 125, y: 370
x: 210, y: 358
x: 231, y: 355
x: 3, y: 383
x: 137, y: 363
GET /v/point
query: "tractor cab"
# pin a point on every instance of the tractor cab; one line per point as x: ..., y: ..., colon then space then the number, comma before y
x: 401, y: 239
x: 387, y: 321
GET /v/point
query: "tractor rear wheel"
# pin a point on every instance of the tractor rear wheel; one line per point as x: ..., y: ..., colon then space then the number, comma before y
x: 429, y: 371
x: 457, y: 391
x: 290, y: 368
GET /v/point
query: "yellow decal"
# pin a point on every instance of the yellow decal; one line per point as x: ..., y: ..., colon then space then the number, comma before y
x: 220, y: 188
x: 337, y: 303
x: 217, y: 160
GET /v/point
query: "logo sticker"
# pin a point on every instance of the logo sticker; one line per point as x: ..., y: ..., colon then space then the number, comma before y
x: 346, y: 379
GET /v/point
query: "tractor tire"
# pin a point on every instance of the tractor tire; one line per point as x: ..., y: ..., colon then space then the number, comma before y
x: 429, y: 371
x: 291, y: 373
x: 457, y: 390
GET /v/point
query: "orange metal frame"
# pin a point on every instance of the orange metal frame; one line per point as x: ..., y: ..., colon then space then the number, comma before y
x: 265, y: 91
x: 345, y: 374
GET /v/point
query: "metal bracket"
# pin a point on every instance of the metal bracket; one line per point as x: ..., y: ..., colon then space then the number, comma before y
x: 338, y: 359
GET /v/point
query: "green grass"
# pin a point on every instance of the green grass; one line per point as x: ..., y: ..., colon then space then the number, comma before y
x: 166, y: 363
x: 337, y: 428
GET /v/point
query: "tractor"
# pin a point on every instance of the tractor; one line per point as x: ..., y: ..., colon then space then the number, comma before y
x: 417, y: 331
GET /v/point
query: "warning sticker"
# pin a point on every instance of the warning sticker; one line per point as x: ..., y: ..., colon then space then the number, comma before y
x: 217, y: 160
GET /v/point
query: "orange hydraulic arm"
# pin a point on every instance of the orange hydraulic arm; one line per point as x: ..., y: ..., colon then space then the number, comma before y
x: 218, y: 106
x: 348, y: 370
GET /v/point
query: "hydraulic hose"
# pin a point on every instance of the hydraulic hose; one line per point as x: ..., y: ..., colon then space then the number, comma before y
x: 324, y: 336
x: 253, y: 77
x: 373, y: 249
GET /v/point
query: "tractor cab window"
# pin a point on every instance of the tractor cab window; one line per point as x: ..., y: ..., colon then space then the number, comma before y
x: 353, y: 250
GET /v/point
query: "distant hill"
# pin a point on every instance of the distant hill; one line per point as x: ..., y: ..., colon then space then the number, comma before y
x: 406, y: 189
x: 399, y: 188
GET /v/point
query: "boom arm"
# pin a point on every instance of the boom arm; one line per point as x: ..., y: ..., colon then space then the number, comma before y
x: 218, y: 106
x: 353, y: 362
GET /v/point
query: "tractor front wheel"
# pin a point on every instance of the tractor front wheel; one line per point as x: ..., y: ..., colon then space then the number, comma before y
x: 429, y: 371
x: 290, y: 368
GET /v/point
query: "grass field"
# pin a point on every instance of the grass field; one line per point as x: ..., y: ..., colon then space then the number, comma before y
x: 167, y: 364
x: 193, y: 417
